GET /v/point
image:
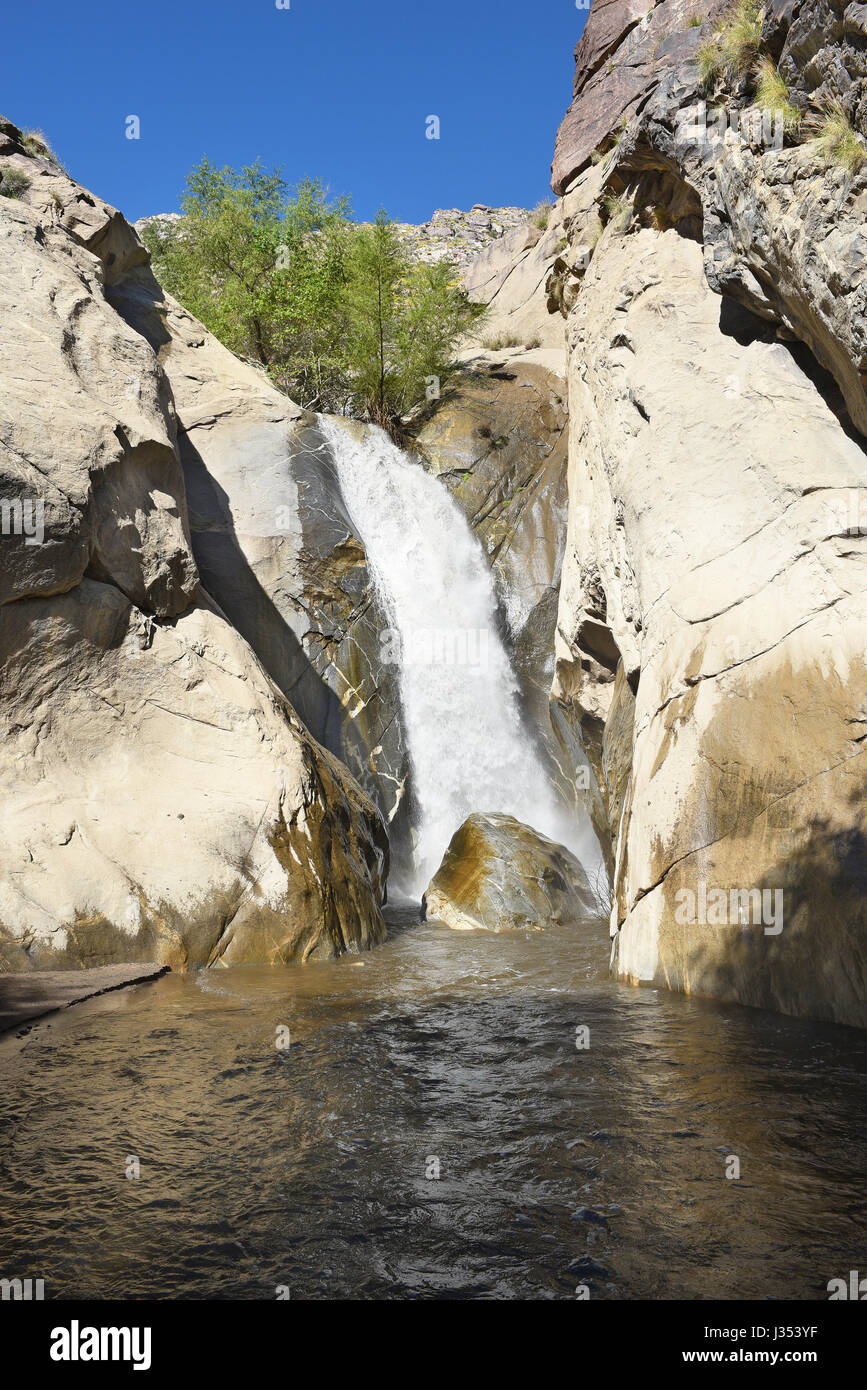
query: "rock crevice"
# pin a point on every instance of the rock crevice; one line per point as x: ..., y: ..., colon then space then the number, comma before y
x: 163, y: 802
x: 711, y: 626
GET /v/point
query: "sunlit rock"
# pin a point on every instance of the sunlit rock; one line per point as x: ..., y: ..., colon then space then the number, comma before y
x: 162, y: 800
x: 500, y: 875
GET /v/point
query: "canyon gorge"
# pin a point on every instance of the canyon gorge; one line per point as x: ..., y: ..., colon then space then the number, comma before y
x: 433, y: 852
x: 640, y: 505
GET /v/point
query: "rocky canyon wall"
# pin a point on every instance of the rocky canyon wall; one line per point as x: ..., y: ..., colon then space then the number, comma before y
x: 275, y: 546
x: 658, y: 441
x: 712, y: 625
x: 162, y: 800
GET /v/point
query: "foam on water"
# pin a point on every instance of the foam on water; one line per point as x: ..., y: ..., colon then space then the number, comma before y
x: 467, y: 744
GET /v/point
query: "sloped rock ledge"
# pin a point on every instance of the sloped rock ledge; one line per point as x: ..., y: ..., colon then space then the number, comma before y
x: 162, y: 800
x: 24, y: 998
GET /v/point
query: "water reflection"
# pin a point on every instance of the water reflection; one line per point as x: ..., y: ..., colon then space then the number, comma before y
x: 310, y: 1167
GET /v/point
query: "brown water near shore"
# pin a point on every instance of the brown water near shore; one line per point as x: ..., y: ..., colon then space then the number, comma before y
x: 308, y: 1166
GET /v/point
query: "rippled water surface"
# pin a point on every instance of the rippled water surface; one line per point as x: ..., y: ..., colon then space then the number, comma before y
x: 308, y: 1167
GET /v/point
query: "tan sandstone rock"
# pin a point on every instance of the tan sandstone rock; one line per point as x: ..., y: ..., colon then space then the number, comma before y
x: 86, y: 430
x: 276, y: 546
x: 162, y: 799
x: 500, y: 875
x: 715, y: 559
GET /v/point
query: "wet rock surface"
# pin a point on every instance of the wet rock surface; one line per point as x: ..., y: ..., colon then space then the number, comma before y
x: 498, y: 441
x: 499, y: 875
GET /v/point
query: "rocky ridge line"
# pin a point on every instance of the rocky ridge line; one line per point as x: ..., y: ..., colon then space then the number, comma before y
x: 450, y: 235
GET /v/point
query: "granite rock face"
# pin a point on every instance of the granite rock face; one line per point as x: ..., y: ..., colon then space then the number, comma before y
x: 508, y: 277
x: 626, y: 50
x: 459, y: 237
x: 782, y: 226
x: 499, y: 875
x: 163, y: 801
x: 820, y: 51
x: 86, y: 434
x: 711, y: 627
x: 710, y: 571
x: 276, y: 547
x: 785, y: 237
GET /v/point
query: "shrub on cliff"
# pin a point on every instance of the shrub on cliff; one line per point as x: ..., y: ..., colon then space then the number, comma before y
x: 838, y: 140
x: 541, y: 214
x: 618, y: 210
x: 339, y: 314
x: 36, y: 144
x: 741, y: 35
x: 772, y: 95
x: 13, y: 181
x: 735, y: 43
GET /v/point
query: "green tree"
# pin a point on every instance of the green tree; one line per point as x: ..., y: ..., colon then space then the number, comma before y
x: 262, y: 266
x: 377, y: 268
x: 435, y: 315
x: 339, y: 314
x: 405, y: 319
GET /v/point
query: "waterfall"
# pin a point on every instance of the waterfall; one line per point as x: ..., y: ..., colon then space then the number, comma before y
x: 467, y: 745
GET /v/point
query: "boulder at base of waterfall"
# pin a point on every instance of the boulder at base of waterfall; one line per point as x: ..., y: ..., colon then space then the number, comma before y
x: 501, y: 875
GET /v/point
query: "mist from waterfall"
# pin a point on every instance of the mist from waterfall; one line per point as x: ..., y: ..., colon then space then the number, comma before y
x: 468, y: 748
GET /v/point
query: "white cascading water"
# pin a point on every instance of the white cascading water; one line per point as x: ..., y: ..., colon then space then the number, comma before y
x: 468, y: 748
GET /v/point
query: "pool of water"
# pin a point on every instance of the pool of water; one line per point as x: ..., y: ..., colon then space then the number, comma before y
x: 431, y: 1130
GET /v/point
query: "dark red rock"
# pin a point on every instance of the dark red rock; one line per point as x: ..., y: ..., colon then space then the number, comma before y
x: 626, y: 49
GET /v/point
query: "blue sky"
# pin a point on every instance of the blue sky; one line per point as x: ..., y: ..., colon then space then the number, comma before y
x: 336, y: 89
